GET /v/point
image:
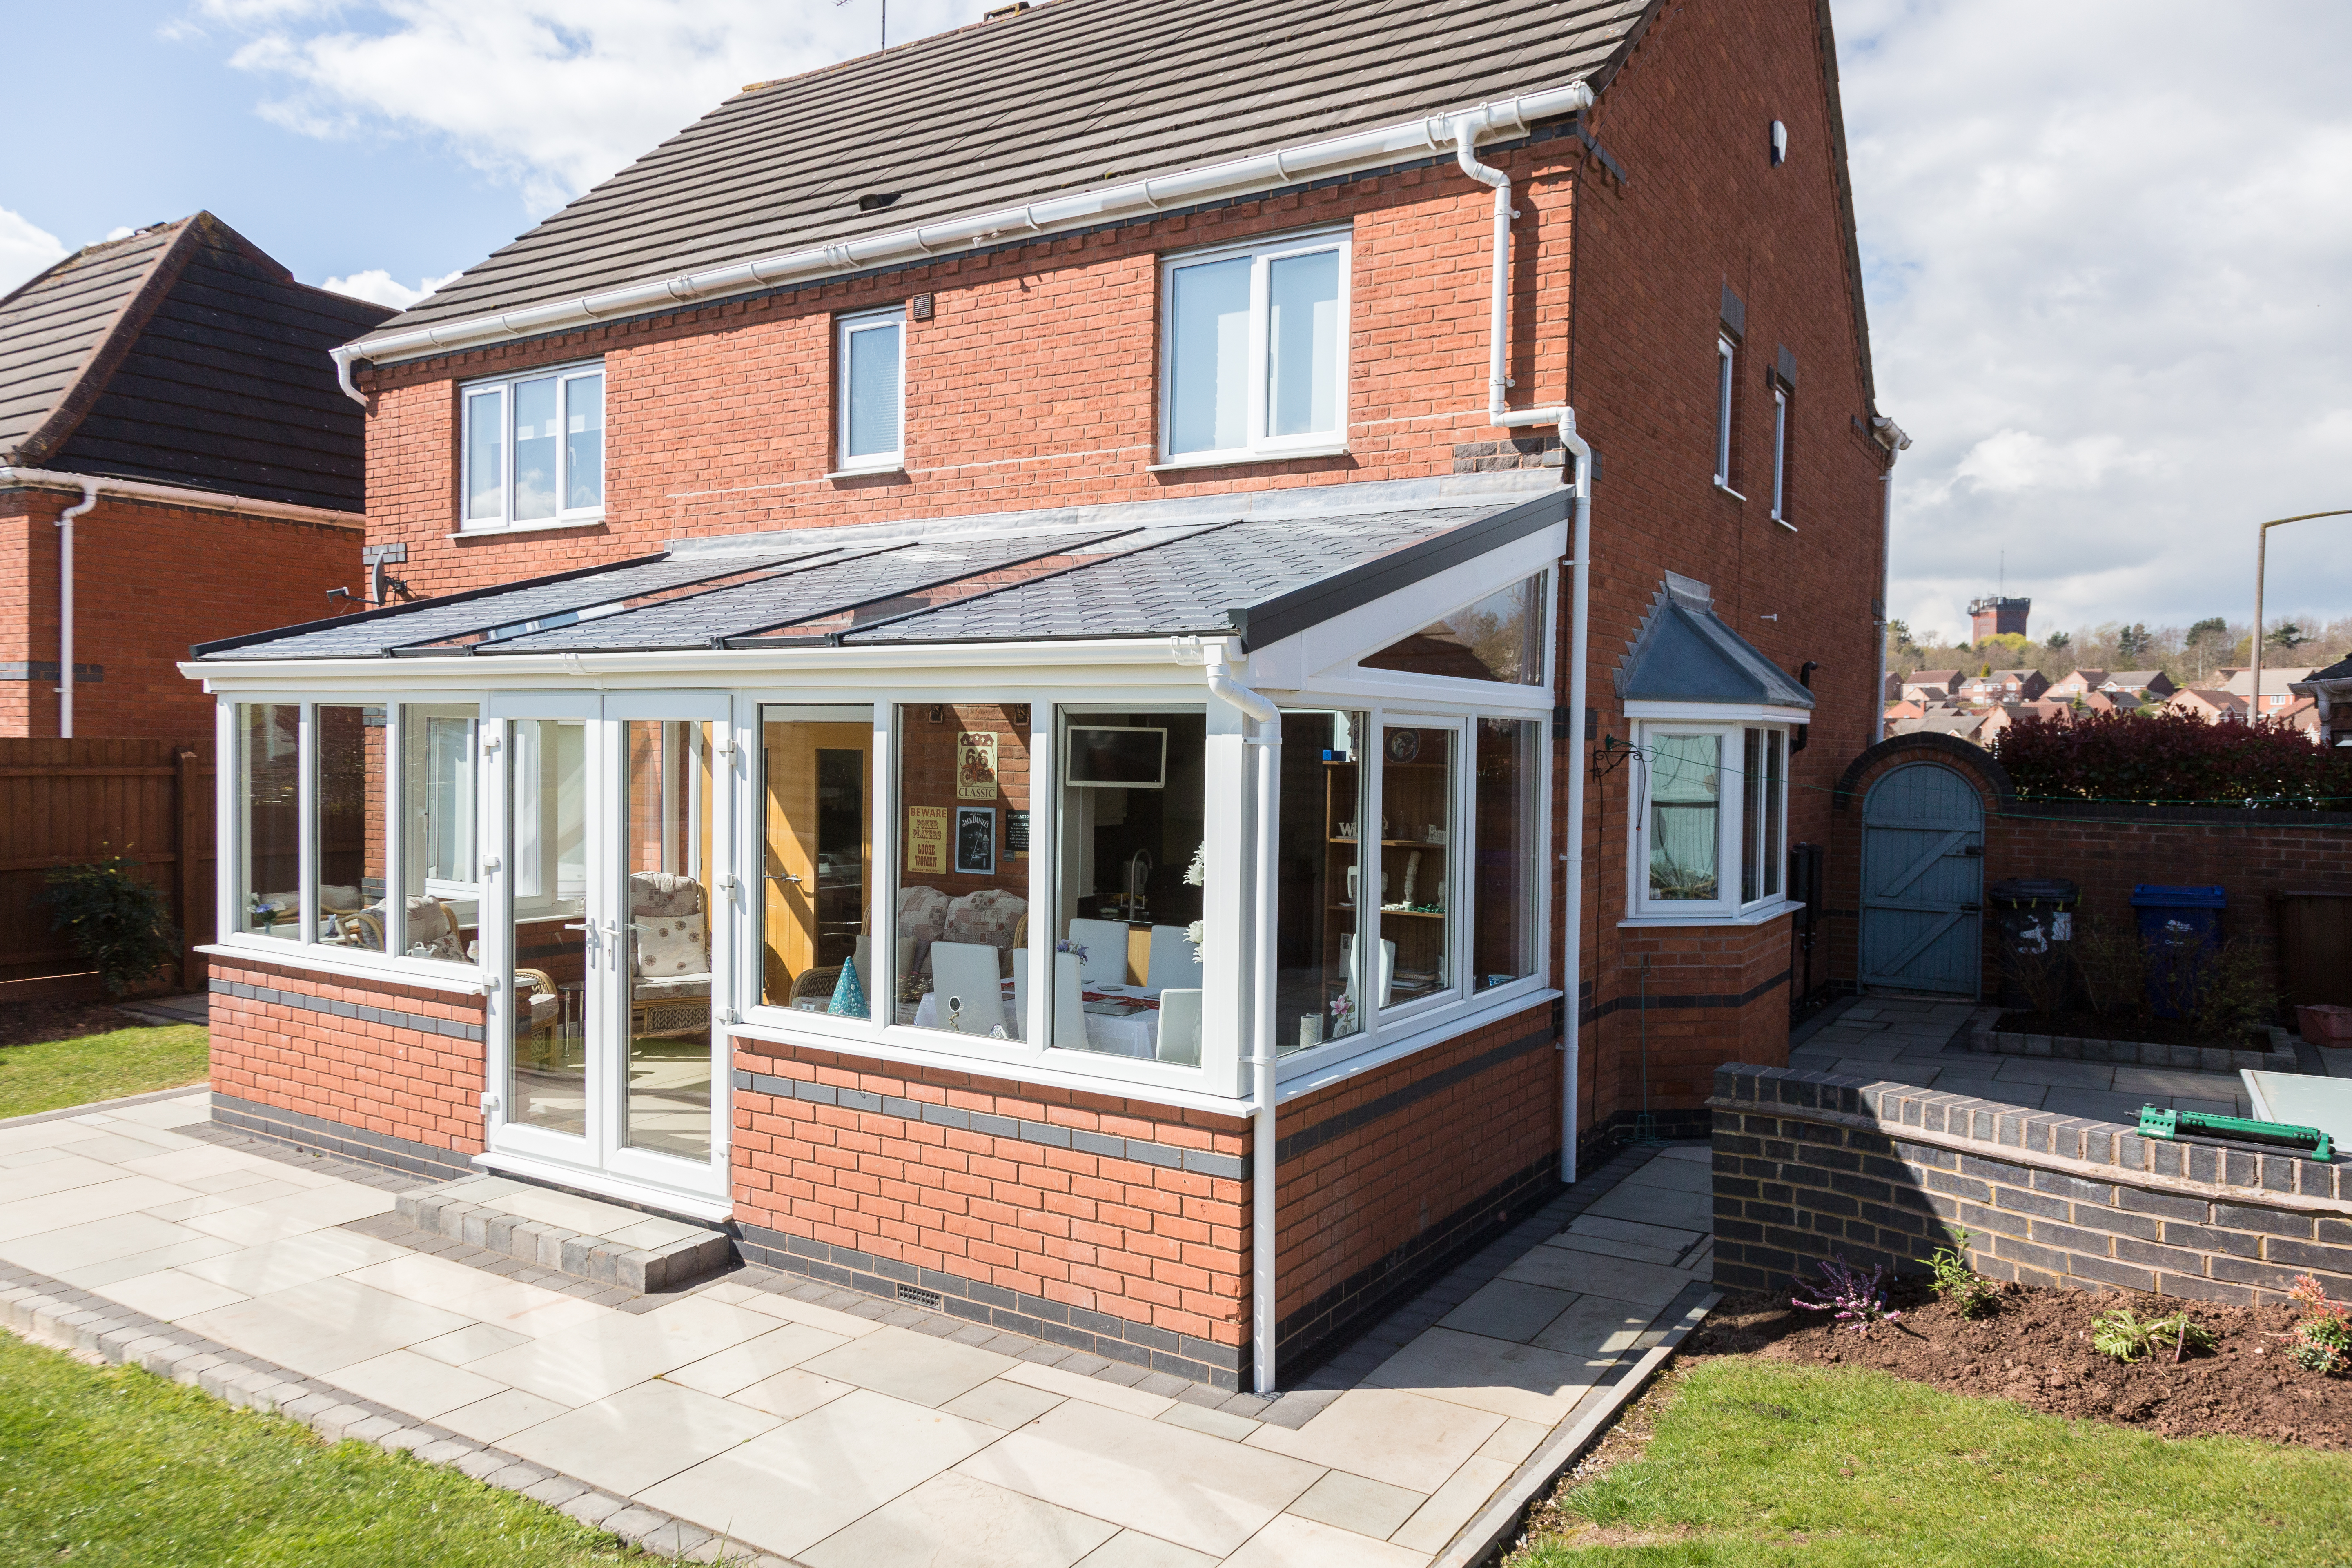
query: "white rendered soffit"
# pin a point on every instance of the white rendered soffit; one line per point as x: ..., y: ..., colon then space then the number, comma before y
x: 178, y: 495
x: 1238, y: 176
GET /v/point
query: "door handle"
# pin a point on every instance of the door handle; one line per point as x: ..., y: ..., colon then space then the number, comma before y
x: 783, y: 877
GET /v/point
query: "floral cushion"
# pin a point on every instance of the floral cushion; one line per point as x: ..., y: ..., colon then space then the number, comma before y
x: 922, y: 920
x: 664, y: 893
x: 672, y: 945
x: 429, y: 926
x: 989, y: 917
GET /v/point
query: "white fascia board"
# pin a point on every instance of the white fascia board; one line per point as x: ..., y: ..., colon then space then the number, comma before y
x: 179, y: 496
x: 1719, y: 712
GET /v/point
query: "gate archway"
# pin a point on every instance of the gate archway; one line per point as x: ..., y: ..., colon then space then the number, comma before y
x: 1923, y: 881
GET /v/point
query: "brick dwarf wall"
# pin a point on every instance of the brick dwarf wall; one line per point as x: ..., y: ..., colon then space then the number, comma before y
x: 391, y: 1069
x: 1811, y: 1166
x: 149, y: 581
x: 2104, y: 850
x: 1387, y: 1177
x: 1085, y: 1218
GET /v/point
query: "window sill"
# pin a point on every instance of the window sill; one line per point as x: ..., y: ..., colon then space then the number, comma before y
x: 1758, y: 916
x: 541, y: 527
x: 1733, y: 494
x: 879, y: 471
x: 1321, y: 1069
x: 1235, y: 459
x: 464, y: 979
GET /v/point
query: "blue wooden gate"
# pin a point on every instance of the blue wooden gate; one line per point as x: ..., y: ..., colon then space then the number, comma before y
x: 1923, y: 881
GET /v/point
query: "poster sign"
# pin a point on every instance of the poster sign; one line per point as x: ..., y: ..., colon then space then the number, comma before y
x: 927, y: 840
x: 1017, y: 833
x: 976, y: 840
x: 976, y: 764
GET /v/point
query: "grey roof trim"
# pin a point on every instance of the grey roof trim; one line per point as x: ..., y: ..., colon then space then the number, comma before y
x: 1684, y: 652
x: 1286, y: 615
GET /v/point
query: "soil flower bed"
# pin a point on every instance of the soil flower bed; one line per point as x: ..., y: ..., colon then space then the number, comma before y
x: 2034, y: 1348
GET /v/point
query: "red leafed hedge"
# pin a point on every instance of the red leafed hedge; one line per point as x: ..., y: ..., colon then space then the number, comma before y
x: 2172, y: 758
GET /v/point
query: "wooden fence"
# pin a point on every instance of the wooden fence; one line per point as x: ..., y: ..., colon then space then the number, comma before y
x: 67, y: 802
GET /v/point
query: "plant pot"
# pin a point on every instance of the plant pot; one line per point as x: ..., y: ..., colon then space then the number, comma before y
x: 2325, y: 1023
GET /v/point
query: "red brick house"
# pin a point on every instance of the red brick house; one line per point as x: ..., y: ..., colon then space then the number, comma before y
x: 1029, y: 718
x: 167, y: 425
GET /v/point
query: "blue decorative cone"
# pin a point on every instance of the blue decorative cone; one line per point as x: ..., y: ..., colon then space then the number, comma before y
x: 848, y: 995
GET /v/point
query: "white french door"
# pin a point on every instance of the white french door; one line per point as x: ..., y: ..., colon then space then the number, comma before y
x: 606, y: 923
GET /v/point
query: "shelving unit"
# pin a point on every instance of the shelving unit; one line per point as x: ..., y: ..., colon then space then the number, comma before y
x: 1416, y: 793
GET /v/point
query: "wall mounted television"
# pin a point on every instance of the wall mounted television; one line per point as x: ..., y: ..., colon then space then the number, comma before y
x: 1105, y: 756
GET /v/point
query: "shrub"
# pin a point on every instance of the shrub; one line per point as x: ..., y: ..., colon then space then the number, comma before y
x: 2129, y: 1339
x: 2170, y: 759
x: 1857, y: 1299
x: 1968, y: 1292
x: 2322, y: 1340
x: 115, y: 921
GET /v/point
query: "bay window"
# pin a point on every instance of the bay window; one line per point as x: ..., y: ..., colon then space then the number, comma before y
x: 533, y: 450
x: 1710, y: 825
x: 1254, y: 356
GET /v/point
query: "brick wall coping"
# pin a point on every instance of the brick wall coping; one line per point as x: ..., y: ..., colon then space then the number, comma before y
x: 2100, y: 1150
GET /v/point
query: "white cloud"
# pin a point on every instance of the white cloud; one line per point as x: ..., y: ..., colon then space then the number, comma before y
x: 24, y: 249
x: 2106, y: 297
x: 548, y: 97
x: 380, y: 285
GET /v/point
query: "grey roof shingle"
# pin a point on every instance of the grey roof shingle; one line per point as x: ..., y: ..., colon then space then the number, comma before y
x: 1072, y: 93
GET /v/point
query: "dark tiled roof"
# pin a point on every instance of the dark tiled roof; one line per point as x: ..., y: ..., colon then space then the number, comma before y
x: 1684, y: 652
x: 183, y: 355
x: 1073, y: 93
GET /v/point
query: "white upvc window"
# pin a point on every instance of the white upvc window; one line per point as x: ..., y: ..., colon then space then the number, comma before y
x: 1253, y: 358
x: 532, y: 449
x: 1709, y: 840
x: 1780, y: 456
x: 1726, y: 358
x: 872, y: 355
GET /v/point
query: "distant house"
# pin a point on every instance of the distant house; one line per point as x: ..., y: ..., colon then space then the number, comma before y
x: 1961, y: 723
x: 2212, y: 705
x: 2277, y: 684
x: 1905, y: 709
x: 2096, y: 701
x: 2330, y: 690
x: 2002, y: 716
x: 2004, y: 686
x: 1924, y: 686
x: 2153, y: 682
x: 2078, y: 683
x: 2300, y: 713
x: 178, y: 379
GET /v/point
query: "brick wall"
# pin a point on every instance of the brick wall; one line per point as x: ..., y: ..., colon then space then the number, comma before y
x: 395, y: 1062
x: 1073, y: 1214
x: 150, y: 580
x: 927, y: 777
x: 1811, y: 1166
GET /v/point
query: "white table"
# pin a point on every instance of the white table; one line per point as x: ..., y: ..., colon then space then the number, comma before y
x: 1130, y: 1035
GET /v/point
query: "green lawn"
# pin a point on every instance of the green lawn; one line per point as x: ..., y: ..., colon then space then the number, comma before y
x: 48, y: 1074
x: 1754, y: 1462
x: 114, y: 1467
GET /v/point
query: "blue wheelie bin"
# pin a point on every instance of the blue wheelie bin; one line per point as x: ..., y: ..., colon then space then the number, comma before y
x: 2180, y: 928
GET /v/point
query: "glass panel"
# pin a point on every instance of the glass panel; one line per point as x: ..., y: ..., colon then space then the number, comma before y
x: 962, y: 898
x: 549, y: 780
x: 486, y: 473
x: 353, y: 774
x: 1129, y: 888
x: 667, y: 842
x: 584, y: 442
x: 815, y: 943
x: 1723, y: 413
x: 1685, y: 835
x: 269, y: 770
x: 1416, y: 827
x: 874, y: 402
x: 438, y: 792
x: 1302, y: 369
x: 1319, y: 888
x: 1780, y: 453
x: 1752, y: 816
x: 1776, y: 767
x: 1500, y: 638
x: 1503, y: 925
x: 1208, y: 356
x: 535, y: 449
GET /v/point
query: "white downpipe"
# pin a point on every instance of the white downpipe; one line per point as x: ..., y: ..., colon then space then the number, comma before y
x: 1889, y: 434
x: 1264, y: 170
x: 65, y: 606
x: 1466, y: 129
x: 1261, y: 1058
x: 342, y: 357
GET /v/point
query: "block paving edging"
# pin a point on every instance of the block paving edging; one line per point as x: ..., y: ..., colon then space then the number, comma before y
x: 1812, y: 1165
x: 1983, y: 1038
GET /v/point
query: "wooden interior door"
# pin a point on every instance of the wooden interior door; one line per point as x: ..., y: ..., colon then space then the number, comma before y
x: 809, y: 908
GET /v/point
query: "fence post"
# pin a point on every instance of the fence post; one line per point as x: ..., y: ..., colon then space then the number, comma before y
x: 191, y: 962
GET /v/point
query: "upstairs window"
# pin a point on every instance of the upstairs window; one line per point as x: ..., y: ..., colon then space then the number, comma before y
x: 1780, y: 456
x: 1254, y: 361
x: 534, y: 449
x: 873, y: 392
x: 1725, y: 357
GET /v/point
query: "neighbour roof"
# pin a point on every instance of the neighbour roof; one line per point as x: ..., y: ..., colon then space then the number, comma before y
x: 2138, y: 679
x: 183, y: 355
x: 1685, y: 653
x: 1289, y: 561
x: 1069, y: 94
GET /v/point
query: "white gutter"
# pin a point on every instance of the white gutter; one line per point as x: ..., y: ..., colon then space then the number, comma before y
x: 1465, y: 129
x: 1261, y: 1059
x: 65, y: 606
x: 176, y: 495
x: 1263, y: 171
x: 1889, y: 434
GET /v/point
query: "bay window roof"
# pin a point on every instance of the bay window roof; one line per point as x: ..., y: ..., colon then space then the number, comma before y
x: 1261, y: 567
x: 1686, y: 652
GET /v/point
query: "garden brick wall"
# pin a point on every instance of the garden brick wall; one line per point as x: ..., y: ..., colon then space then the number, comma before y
x: 1811, y: 1166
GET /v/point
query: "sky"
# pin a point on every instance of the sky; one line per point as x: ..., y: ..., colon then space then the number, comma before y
x: 2104, y: 242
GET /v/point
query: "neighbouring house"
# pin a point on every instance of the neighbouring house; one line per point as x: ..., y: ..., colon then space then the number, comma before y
x: 2003, y: 686
x: 1930, y: 685
x: 2098, y: 702
x: 1961, y: 723
x: 168, y: 399
x: 1907, y: 708
x: 2146, y: 683
x: 1000, y: 714
x: 2001, y: 715
x: 2330, y: 690
x: 2206, y: 703
x: 2277, y: 686
x: 2078, y: 683
x: 2300, y: 713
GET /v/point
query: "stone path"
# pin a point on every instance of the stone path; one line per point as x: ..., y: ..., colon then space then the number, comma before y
x: 798, y: 1422
x: 193, y: 1008
x: 1909, y: 1040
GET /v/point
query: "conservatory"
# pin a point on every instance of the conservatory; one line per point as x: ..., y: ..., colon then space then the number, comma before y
x: 1097, y: 801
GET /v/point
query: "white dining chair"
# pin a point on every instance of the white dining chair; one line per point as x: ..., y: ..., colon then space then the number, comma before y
x: 1106, y: 945
x: 904, y: 948
x: 1174, y: 961
x: 1069, y: 1004
x: 1388, y: 969
x: 964, y: 984
x: 1179, y: 1025
x: 1019, y: 1028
